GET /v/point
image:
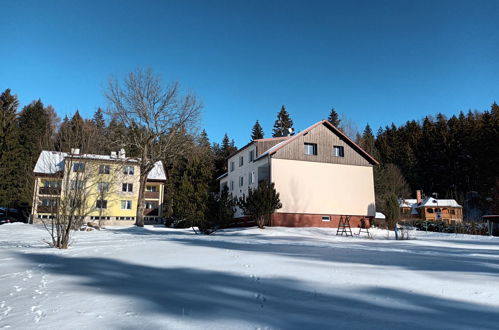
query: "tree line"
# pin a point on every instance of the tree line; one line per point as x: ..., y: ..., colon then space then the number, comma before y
x: 454, y: 157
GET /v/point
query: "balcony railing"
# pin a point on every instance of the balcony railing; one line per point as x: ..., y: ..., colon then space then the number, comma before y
x: 151, y: 212
x: 45, y: 209
x: 49, y: 191
x: 152, y: 194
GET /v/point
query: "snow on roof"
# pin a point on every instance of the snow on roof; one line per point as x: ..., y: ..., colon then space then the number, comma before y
x: 158, y: 172
x: 51, y: 162
x: 407, y: 202
x: 430, y: 201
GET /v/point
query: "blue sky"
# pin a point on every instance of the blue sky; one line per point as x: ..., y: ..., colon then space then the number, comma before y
x: 376, y: 62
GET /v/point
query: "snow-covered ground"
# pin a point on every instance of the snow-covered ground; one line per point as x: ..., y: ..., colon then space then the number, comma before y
x: 277, y: 278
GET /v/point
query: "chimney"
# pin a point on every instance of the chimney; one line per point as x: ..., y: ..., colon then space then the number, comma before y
x: 75, y: 151
x: 122, y: 153
x: 113, y: 154
x: 418, y: 196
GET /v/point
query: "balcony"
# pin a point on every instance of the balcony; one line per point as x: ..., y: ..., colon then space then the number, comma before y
x: 152, y: 194
x: 151, y: 212
x: 49, y: 191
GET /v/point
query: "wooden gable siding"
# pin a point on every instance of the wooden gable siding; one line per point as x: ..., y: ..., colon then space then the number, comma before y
x: 264, y: 145
x: 325, y: 140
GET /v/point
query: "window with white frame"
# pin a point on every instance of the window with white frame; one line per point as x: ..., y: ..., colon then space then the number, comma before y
x: 232, y: 186
x: 103, y: 186
x: 338, y: 151
x: 241, y: 161
x: 252, y: 155
x: 232, y: 165
x: 151, y: 188
x: 311, y: 149
x: 126, y: 205
x: 326, y: 218
x: 128, y: 170
x: 104, y: 169
x: 127, y: 187
x: 241, y: 181
x: 151, y: 205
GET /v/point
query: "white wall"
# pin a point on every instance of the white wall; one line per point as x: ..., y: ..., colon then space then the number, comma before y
x: 323, y: 188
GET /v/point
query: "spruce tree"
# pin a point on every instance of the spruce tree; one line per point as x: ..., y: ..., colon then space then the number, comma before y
x: 282, y: 124
x: 10, y: 150
x: 35, y: 135
x: 334, y: 118
x: 261, y: 203
x: 257, y: 131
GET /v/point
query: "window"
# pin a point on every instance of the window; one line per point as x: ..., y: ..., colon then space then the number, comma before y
x: 452, y: 211
x: 232, y: 166
x: 128, y: 170
x: 231, y: 185
x: 127, y: 187
x: 241, y: 181
x: 101, y: 204
x: 76, y: 185
x: 79, y: 167
x: 75, y: 203
x: 152, y: 188
x: 338, y: 151
x: 429, y: 210
x: 103, y: 169
x: 251, y: 178
x: 326, y: 218
x: 151, y: 205
x: 48, y: 202
x: 311, y: 149
x: 126, y: 205
x: 241, y: 161
x: 51, y: 184
x: 252, y: 155
x: 103, y: 186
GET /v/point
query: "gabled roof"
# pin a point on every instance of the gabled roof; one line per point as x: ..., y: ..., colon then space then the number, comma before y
x: 427, y: 202
x: 257, y: 140
x: 51, y: 162
x: 335, y: 130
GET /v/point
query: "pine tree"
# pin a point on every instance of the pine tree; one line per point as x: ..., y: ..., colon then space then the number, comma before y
x: 221, y: 153
x: 283, y: 123
x: 334, y: 118
x: 76, y: 133
x: 257, y: 131
x: 367, y: 141
x: 10, y: 149
x: 35, y: 132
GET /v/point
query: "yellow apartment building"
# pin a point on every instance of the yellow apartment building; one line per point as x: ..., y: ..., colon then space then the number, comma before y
x: 103, y: 188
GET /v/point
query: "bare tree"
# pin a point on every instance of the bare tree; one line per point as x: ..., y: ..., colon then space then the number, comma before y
x: 156, y: 116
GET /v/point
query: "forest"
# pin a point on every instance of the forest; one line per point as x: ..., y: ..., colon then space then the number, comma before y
x: 456, y: 157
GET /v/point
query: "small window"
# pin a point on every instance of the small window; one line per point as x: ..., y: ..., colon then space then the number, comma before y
x: 232, y: 166
x: 338, y: 151
x: 126, y: 205
x: 103, y: 186
x: 151, y: 188
x: 127, y: 187
x: 231, y: 185
x: 128, y: 170
x: 79, y: 167
x: 251, y: 178
x: 429, y: 210
x: 326, y: 218
x: 76, y: 185
x: 241, y: 181
x: 104, y: 169
x: 101, y: 204
x: 241, y: 161
x: 452, y: 211
x: 252, y: 155
x: 311, y: 149
x: 151, y: 205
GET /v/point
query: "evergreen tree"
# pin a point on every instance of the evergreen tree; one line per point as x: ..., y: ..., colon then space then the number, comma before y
x: 257, y: 131
x: 334, y: 118
x: 221, y: 153
x: 392, y: 210
x: 10, y: 150
x: 367, y: 141
x: 261, y: 203
x: 35, y: 132
x: 282, y: 124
